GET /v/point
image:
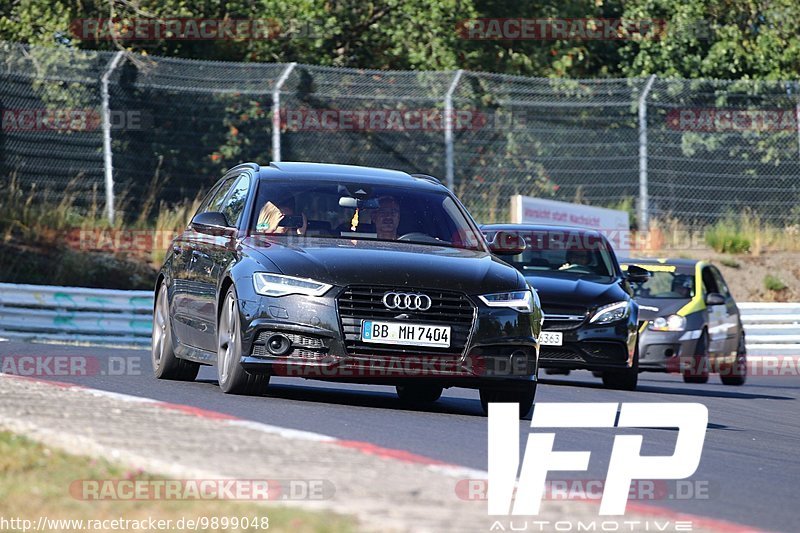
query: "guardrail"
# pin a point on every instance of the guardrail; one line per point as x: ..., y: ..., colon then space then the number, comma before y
x: 771, y: 328
x: 43, y: 312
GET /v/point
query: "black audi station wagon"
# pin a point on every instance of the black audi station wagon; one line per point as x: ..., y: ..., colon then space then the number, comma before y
x: 343, y: 273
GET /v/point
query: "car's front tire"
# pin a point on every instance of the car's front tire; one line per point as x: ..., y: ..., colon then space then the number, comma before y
x: 735, y: 373
x: 522, y: 395
x: 695, y: 368
x: 233, y: 378
x: 624, y: 379
x: 621, y: 379
x: 167, y: 365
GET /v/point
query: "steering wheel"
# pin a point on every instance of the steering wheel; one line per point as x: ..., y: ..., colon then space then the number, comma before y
x: 417, y: 236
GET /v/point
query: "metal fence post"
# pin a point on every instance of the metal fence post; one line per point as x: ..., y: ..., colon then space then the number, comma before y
x: 643, y: 214
x: 449, y: 169
x: 276, y: 112
x: 107, y: 159
x: 797, y: 113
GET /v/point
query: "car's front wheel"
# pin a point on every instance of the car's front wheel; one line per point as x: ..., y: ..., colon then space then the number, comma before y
x: 735, y: 373
x: 624, y: 379
x: 695, y: 368
x: 233, y: 378
x: 519, y: 394
x: 621, y: 379
x: 167, y: 365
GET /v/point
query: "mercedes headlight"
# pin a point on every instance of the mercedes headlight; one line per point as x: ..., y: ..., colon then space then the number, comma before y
x: 280, y: 285
x: 668, y: 323
x: 610, y: 313
x: 520, y: 300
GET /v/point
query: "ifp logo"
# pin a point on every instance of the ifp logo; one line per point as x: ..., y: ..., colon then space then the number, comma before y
x: 626, y: 463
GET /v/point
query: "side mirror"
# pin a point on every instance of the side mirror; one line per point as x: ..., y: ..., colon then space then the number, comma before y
x: 507, y: 243
x: 637, y: 274
x: 212, y: 223
x: 714, y: 298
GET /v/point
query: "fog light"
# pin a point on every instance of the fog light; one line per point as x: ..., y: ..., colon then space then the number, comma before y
x: 279, y: 344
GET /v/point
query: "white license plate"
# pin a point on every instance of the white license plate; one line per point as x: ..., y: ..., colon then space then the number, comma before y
x: 408, y: 334
x: 550, y: 338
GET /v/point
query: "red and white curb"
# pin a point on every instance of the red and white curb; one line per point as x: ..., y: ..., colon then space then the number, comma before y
x: 447, y: 469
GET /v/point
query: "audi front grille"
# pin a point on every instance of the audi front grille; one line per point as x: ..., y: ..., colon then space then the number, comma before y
x: 357, y: 303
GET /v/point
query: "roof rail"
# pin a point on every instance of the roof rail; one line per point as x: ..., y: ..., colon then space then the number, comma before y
x: 428, y: 178
x: 253, y: 166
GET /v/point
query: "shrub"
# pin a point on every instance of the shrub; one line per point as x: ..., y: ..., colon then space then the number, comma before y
x: 774, y: 283
x: 726, y: 237
x: 731, y: 263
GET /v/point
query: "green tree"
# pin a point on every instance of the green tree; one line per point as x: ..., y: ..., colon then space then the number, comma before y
x: 726, y: 39
x: 383, y: 34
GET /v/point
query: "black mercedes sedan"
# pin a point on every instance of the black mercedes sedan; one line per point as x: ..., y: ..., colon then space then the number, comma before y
x: 344, y: 273
x: 590, y: 317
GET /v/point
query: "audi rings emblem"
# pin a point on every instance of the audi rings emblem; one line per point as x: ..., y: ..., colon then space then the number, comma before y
x: 406, y: 301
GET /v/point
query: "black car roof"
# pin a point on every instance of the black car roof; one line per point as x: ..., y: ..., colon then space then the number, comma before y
x: 326, y: 171
x: 540, y: 227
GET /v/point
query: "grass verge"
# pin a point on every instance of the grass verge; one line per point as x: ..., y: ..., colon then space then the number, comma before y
x: 64, y: 238
x: 739, y: 234
x: 36, y: 481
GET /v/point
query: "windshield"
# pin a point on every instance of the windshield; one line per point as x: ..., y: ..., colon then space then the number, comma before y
x: 564, y: 252
x: 351, y: 210
x: 665, y: 282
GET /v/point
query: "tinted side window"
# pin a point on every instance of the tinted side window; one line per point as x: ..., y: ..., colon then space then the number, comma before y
x: 234, y: 205
x: 207, y: 200
x: 723, y: 288
x: 709, y: 283
x: 217, y: 201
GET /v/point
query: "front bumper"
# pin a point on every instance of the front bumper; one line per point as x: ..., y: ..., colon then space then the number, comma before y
x: 661, y: 351
x: 588, y: 347
x: 501, y: 346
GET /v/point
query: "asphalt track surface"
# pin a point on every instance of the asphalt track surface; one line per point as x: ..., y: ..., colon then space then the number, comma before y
x: 750, y: 466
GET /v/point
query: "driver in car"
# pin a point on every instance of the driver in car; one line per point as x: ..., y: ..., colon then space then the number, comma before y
x: 387, y: 218
x: 682, y: 285
x: 578, y: 258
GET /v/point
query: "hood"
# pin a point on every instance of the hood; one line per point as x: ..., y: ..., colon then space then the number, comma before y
x: 650, y: 308
x: 363, y: 262
x: 577, y: 291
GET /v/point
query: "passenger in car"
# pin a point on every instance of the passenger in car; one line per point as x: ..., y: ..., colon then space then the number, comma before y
x: 274, y: 218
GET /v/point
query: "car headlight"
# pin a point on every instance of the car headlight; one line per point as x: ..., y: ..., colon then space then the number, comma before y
x: 610, y: 313
x: 668, y: 323
x: 279, y: 285
x: 520, y: 300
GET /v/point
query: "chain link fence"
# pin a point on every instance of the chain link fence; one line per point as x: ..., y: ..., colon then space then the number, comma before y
x: 701, y: 150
